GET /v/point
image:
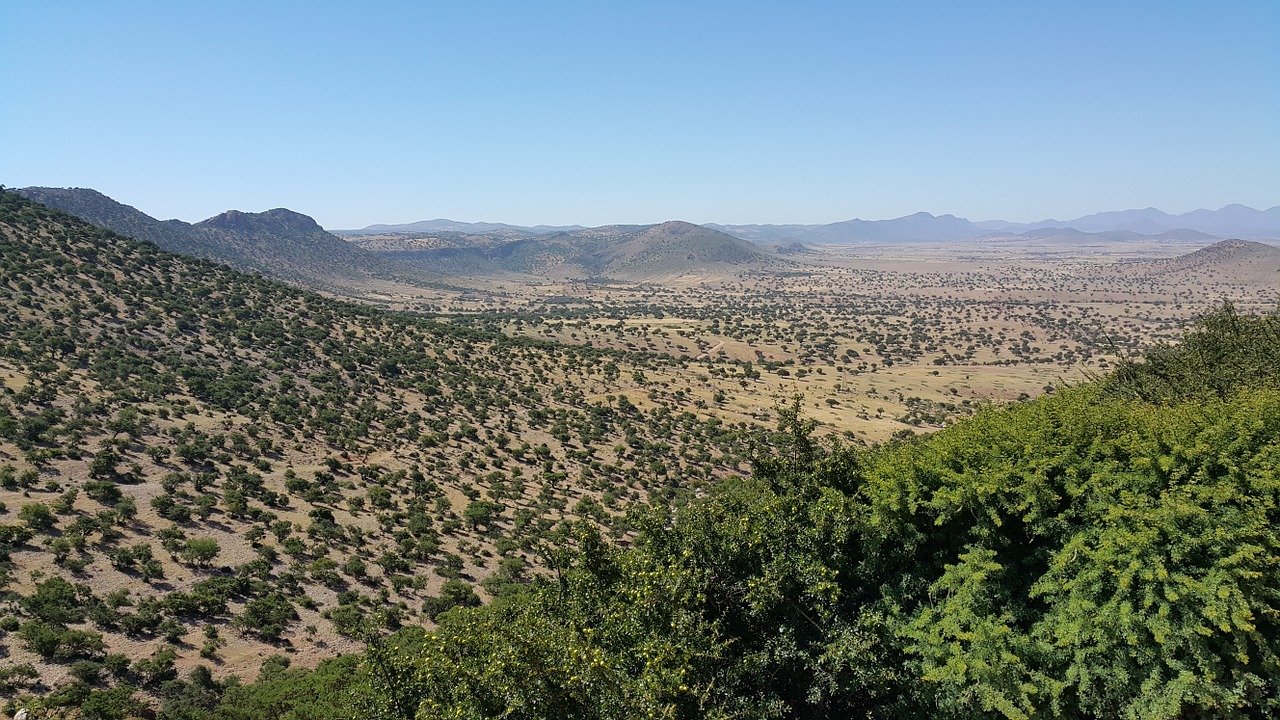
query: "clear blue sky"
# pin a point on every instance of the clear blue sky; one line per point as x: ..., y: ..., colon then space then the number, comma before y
x: 597, y: 112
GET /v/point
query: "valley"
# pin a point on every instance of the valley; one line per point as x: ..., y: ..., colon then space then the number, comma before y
x: 214, y: 469
x: 639, y: 361
x: 880, y: 339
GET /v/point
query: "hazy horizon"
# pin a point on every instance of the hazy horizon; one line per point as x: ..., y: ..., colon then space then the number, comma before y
x: 867, y: 219
x: 461, y: 221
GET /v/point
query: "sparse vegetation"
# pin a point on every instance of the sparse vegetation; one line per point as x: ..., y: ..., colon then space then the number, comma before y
x: 1080, y: 555
x: 595, y: 503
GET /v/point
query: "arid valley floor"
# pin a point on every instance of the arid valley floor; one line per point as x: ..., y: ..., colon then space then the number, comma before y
x: 346, y: 465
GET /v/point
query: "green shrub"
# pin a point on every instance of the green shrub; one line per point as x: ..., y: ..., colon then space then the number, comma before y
x: 57, y: 601
x: 38, y: 517
x: 454, y: 593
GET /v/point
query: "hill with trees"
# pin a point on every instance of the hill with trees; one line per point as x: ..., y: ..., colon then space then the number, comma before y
x: 1108, y: 550
x: 1240, y: 259
x: 278, y: 243
x: 204, y: 467
x: 635, y: 252
x: 207, y: 476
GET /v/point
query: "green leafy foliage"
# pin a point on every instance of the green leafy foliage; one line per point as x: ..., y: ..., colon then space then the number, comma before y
x: 267, y: 616
x: 327, y: 693
x: 1094, y: 556
x: 200, y: 551
x: 1223, y: 353
x: 56, y: 601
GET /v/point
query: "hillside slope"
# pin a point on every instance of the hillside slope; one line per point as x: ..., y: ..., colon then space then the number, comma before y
x: 1105, y: 551
x: 203, y: 466
x: 1243, y: 261
x: 674, y: 248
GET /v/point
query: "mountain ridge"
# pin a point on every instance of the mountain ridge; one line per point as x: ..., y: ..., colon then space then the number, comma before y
x: 279, y: 243
x: 1229, y: 221
x: 443, y: 224
x: 291, y: 246
x: 1232, y: 220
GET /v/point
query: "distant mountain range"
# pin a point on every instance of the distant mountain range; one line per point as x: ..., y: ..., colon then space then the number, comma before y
x: 290, y: 246
x: 1235, y: 221
x: 278, y: 243
x: 442, y: 225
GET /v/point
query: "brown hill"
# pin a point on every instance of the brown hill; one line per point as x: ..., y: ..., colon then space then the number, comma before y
x: 1243, y: 261
x: 676, y: 247
x: 621, y: 251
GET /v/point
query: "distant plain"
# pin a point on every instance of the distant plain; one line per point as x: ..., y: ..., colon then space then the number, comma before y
x: 880, y: 338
